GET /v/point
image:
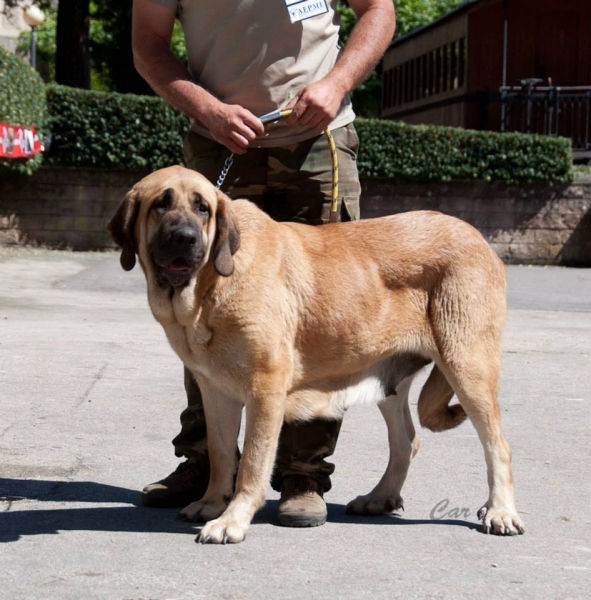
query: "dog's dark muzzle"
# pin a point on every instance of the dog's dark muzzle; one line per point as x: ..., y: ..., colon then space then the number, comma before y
x: 177, y: 251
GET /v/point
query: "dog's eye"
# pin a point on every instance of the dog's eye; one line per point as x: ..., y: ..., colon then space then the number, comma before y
x: 163, y: 203
x: 200, y: 205
x: 160, y: 206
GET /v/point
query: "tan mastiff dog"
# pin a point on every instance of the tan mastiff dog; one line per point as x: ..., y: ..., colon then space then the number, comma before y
x: 296, y: 322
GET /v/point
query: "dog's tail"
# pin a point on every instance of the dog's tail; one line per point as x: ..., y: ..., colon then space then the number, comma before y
x: 433, y: 407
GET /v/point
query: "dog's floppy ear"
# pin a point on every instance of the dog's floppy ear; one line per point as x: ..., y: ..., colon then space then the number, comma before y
x: 121, y: 229
x: 227, y: 239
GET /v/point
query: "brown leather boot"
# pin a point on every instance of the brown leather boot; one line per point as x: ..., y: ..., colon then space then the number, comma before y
x: 184, y: 485
x: 301, y: 503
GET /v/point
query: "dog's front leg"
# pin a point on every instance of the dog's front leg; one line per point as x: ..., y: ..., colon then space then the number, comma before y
x: 222, y: 416
x: 264, y: 416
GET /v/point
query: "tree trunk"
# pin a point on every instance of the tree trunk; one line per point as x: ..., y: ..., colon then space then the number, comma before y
x: 72, y: 60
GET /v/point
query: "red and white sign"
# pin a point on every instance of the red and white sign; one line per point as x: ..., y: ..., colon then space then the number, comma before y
x: 19, y: 142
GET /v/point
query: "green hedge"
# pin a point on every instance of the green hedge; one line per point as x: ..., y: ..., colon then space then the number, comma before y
x: 22, y: 102
x: 94, y: 129
x: 98, y: 129
x: 432, y: 153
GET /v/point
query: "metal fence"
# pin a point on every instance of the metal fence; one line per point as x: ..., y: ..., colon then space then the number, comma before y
x: 549, y: 110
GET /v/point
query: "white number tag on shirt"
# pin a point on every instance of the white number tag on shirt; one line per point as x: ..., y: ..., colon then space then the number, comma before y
x: 304, y: 9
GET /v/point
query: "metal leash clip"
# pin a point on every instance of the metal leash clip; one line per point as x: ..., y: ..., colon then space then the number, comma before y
x: 280, y: 114
x: 225, y: 169
x: 268, y: 118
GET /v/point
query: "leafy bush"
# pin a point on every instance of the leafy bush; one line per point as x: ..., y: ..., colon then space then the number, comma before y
x: 97, y: 129
x: 94, y: 129
x: 432, y: 153
x: 22, y: 102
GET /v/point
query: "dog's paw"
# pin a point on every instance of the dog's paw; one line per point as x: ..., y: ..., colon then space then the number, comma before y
x: 224, y: 530
x: 500, y: 521
x: 375, y: 505
x: 203, y: 510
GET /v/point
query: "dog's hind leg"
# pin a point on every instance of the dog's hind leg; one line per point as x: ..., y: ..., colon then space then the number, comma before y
x: 475, y: 379
x: 467, y: 312
x: 404, y: 444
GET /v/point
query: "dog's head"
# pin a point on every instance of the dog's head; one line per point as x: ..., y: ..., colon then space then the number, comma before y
x: 176, y: 221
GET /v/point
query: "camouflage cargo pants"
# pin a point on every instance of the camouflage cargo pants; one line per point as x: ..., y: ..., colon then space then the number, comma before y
x: 291, y: 183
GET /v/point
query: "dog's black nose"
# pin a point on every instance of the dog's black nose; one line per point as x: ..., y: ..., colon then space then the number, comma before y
x: 183, y: 237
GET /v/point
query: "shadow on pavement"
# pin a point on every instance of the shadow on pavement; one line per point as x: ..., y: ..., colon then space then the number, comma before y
x: 337, y: 514
x: 15, y: 524
x: 19, y: 523
x: 12, y: 490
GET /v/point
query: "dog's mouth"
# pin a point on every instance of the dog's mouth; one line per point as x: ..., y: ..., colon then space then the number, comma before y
x: 176, y: 273
x: 179, y: 265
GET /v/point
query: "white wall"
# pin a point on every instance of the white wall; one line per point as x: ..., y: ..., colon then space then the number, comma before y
x: 10, y: 27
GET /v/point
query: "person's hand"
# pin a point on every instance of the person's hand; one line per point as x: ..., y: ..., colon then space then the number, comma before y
x: 316, y: 106
x: 233, y: 126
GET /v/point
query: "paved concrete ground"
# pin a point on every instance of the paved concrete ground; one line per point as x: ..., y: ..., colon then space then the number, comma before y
x: 90, y: 395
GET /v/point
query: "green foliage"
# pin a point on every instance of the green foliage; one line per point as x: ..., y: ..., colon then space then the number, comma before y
x: 366, y: 97
x: 424, y: 153
x: 411, y: 14
x: 110, y: 47
x: 22, y: 102
x: 95, y: 129
x: 582, y: 169
x: 348, y: 20
x: 101, y: 38
x: 110, y: 28
x: 177, y: 43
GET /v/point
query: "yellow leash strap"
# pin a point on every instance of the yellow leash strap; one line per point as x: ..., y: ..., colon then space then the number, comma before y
x: 334, y: 204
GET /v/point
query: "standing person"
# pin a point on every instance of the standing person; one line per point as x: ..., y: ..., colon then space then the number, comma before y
x: 247, y: 58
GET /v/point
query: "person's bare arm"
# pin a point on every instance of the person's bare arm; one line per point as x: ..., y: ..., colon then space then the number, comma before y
x: 318, y: 104
x: 231, y: 125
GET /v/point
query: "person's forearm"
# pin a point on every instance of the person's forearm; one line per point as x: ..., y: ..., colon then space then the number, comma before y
x: 171, y: 80
x: 368, y: 41
x: 317, y: 105
x: 233, y: 126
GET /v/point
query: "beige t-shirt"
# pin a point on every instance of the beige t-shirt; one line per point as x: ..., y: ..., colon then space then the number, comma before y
x: 250, y: 53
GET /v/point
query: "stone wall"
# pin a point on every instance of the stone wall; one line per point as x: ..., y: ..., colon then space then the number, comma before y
x: 62, y: 208
x: 534, y: 224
